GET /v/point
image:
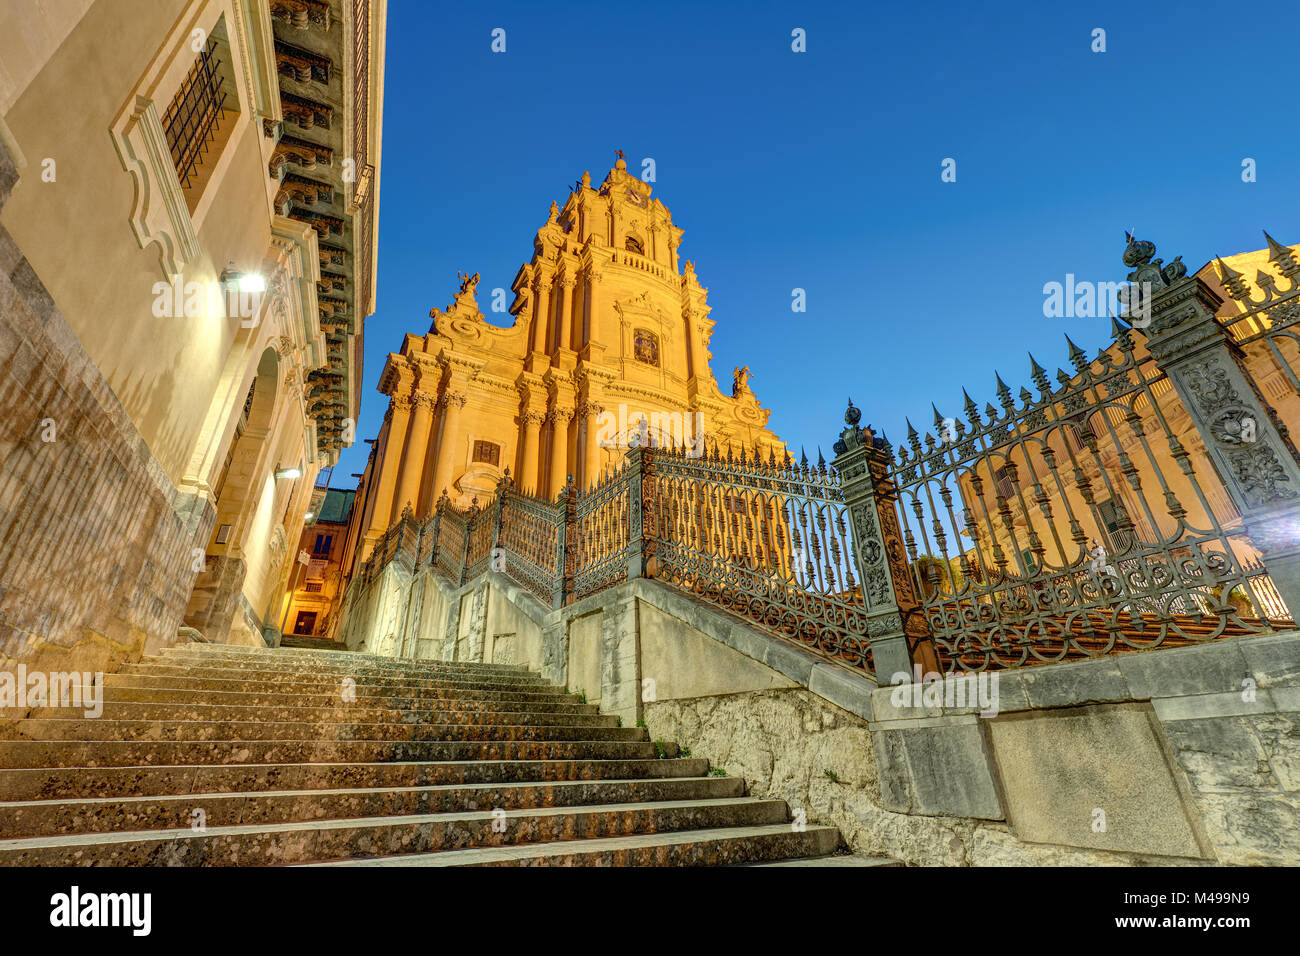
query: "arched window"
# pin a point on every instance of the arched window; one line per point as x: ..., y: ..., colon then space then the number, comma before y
x: 645, y: 346
x: 633, y: 244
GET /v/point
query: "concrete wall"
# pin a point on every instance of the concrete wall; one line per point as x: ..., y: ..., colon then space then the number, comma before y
x: 1177, y: 756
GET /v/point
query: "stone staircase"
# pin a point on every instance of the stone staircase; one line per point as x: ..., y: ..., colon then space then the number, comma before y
x: 221, y: 756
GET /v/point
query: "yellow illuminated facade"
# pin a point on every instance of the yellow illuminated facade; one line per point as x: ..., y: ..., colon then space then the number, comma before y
x: 609, y: 347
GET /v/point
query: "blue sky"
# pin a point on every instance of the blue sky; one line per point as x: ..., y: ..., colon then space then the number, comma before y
x: 821, y: 171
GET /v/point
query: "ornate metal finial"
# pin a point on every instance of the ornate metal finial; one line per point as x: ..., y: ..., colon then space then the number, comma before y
x: 1039, y: 375
x: 1233, y: 281
x: 852, y: 415
x: 1078, y: 357
x: 1285, y: 259
x: 1003, y: 390
x: 1147, y: 270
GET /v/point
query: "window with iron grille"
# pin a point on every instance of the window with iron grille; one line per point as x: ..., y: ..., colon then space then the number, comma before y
x: 195, y: 113
x: 1006, y: 486
x: 313, y: 587
x: 487, y: 451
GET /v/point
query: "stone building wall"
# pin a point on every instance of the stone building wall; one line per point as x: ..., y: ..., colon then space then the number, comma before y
x: 96, y: 545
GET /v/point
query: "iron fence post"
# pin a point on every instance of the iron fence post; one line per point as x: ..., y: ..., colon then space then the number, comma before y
x: 437, y: 529
x: 636, y: 463
x: 1247, y: 442
x: 470, y: 518
x: 565, y: 503
x: 503, y: 488
x: 896, y: 626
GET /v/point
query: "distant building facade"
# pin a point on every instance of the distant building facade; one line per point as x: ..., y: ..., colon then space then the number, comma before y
x: 609, y: 346
x: 317, y: 582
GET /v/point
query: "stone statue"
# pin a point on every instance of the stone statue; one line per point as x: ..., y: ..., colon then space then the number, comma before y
x: 468, y: 283
x: 739, y: 381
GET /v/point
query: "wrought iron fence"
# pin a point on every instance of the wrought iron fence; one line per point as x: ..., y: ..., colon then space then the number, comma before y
x: 768, y: 541
x: 530, y: 542
x: 1058, y: 524
x: 597, y: 545
x: 1088, y: 525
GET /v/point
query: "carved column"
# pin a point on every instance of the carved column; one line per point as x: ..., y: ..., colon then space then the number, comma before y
x: 541, y: 313
x: 399, y: 413
x: 590, y: 328
x: 563, y: 316
x: 559, y: 448
x: 529, y: 467
x: 417, y: 446
x: 896, y: 626
x: 589, y: 414
x: 1243, y: 436
x: 452, y: 401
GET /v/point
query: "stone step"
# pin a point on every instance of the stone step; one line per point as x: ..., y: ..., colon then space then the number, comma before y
x: 126, y: 693
x: 341, y: 713
x: 120, y: 814
x: 441, y: 763
x: 319, y: 840
x: 471, y: 691
x: 847, y: 859
x: 72, y: 729
x: 532, y: 685
x: 269, y: 660
x: 315, y: 643
x: 343, y: 658
x: 123, y: 753
x: 713, y: 847
x: 60, y: 783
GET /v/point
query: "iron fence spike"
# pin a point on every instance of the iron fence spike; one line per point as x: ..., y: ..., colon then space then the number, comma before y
x: 1076, y: 354
x: 1276, y: 248
x: 1226, y: 272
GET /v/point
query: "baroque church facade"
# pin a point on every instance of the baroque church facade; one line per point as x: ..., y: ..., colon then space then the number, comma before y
x: 609, y: 346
